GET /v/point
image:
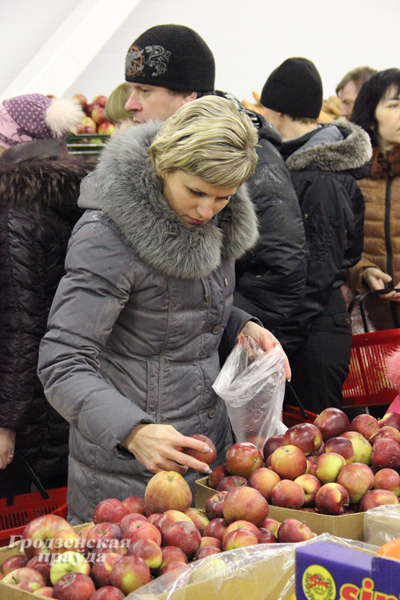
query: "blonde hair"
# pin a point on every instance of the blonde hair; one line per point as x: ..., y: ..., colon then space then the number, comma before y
x: 116, y: 101
x: 209, y: 138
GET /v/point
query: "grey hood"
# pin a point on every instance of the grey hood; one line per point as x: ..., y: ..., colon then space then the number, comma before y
x: 341, y: 146
x: 126, y: 188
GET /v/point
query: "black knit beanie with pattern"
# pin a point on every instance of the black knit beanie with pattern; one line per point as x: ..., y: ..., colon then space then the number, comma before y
x: 294, y: 88
x: 171, y: 56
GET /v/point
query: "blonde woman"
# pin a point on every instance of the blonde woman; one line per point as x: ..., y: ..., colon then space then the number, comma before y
x: 115, y: 109
x: 132, y: 348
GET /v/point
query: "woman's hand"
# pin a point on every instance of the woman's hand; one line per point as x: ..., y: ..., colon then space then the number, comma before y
x: 7, y: 444
x: 159, y: 448
x: 377, y: 279
x: 266, y: 340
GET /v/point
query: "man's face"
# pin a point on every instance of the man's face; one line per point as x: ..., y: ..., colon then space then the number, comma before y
x: 149, y: 102
x: 348, y: 97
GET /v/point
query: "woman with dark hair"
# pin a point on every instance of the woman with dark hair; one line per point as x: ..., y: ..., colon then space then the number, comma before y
x: 377, y: 110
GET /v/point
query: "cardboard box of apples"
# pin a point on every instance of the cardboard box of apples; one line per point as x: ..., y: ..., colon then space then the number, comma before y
x: 324, y: 474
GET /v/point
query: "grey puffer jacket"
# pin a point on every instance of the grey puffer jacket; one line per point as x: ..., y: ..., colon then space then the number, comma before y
x: 137, y: 320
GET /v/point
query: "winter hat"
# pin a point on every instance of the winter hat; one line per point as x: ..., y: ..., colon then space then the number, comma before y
x: 36, y: 117
x: 294, y: 88
x: 171, y: 56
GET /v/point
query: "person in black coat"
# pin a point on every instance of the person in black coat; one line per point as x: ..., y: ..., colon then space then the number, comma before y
x: 324, y: 162
x: 39, y: 189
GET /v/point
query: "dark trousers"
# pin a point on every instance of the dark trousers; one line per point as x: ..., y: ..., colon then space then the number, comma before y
x: 321, y: 363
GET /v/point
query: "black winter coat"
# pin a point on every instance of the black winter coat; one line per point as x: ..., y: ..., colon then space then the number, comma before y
x: 38, y: 209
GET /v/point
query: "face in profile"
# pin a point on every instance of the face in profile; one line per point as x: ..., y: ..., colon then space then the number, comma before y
x: 387, y: 115
x: 149, y: 102
x: 194, y: 200
x: 348, y: 96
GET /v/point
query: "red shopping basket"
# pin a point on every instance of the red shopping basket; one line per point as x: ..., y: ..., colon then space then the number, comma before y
x: 292, y: 415
x: 367, y: 383
x: 27, y: 507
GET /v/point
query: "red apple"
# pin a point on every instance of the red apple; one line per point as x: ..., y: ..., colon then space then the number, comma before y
x: 135, y: 505
x: 100, y: 100
x: 386, y: 432
x: 45, y: 592
x: 198, y: 517
x: 332, y: 422
x: 293, y: 530
x: 210, y: 541
x: 271, y: 524
x: 172, y: 566
x: 105, y: 128
x: 216, y: 528
x: 185, y: 536
x: 108, y: 592
x: 391, y: 419
x: 214, y: 505
x: 25, y: 579
x: 103, y: 536
x: 375, y: 498
x: 41, y: 529
x: 42, y: 564
x: 332, y: 499
x: 328, y: 467
x: 386, y: 454
x: 239, y: 538
x: 318, y: 452
x: 167, y: 490
x: 289, y: 462
x: 88, y: 122
x: 242, y: 459
x: 311, y: 468
x: 65, y: 539
x: 141, y: 530
x: 109, y: 511
x: 90, y: 130
x: 266, y: 536
x: 204, y: 551
x: 80, y: 99
x: 177, y: 515
x: 342, y: 446
x: 305, y: 436
x: 231, y: 482
x: 149, y: 551
x: 16, y: 561
x: 362, y: 447
x: 245, y: 503
x: 310, y: 485
x: 98, y: 115
x: 288, y: 494
x: 387, y: 479
x: 131, y: 518
x: 241, y: 524
x: 365, y: 424
x: 208, y: 456
x: 102, y: 568
x: 272, y: 443
x: 129, y: 574
x: 264, y: 480
x: 216, y: 475
x: 172, y: 554
x: 357, y: 479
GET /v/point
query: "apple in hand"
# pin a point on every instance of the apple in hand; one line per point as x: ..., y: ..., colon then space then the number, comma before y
x: 25, y: 579
x: 109, y: 511
x: 305, y: 436
x: 109, y: 592
x: 264, y: 480
x: 68, y: 562
x: 214, y: 505
x: 16, y: 561
x: 167, y: 490
x: 217, y: 474
x: 242, y: 459
x: 185, y: 536
x: 288, y: 494
x: 74, y: 586
x: 387, y: 479
x: 361, y: 446
x: 293, y: 530
x: 245, y: 503
x: 206, y: 457
x: 289, y: 462
x: 332, y: 422
x: 365, y: 424
x: 332, y: 499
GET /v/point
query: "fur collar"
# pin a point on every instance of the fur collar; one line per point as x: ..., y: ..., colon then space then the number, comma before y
x: 130, y: 193
x: 352, y: 152
x: 385, y: 164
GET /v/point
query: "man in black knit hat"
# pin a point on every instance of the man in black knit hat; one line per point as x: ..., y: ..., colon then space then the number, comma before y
x: 169, y: 65
x: 324, y: 162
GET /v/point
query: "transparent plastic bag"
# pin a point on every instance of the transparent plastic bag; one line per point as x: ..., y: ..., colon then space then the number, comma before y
x: 252, y: 384
x: 357, y: 325
x: 382, y: 524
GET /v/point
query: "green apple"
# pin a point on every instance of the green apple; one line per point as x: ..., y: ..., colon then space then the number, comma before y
x: 68, y: 562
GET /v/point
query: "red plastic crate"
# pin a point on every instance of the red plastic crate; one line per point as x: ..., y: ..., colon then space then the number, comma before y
x: 292, y: 415
x: 27, y: 507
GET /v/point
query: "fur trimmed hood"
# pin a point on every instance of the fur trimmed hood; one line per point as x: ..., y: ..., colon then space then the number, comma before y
x: 340, y: 146
x: 130, y: 194
x: 385, y: 164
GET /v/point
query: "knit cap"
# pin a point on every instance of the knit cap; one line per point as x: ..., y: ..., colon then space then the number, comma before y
x: 36, y: 117
x: 171, y: 56
x: 294, y: 88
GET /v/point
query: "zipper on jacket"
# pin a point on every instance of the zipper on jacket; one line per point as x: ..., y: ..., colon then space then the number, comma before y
x: 389, y: 251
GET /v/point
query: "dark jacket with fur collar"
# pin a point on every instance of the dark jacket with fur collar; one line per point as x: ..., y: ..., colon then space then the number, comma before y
x: 324, y: 165
x: 136, y: 322
x: 38, y: 209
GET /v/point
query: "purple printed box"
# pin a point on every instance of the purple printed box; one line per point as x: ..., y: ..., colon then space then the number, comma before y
x: 329, y: 571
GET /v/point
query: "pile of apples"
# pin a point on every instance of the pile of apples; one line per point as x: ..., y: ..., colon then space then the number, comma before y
x: 95, y: 120
x: 330, y: 466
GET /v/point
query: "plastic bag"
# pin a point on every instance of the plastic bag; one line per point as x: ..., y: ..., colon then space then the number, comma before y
x: 382, y: 524
x: 252, y: 384
x: 357, y: 325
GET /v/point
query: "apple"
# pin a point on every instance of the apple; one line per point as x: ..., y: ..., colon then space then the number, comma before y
x: 207, y: 456
x: 242, y: 459
x: 386, y: 432
x: 332, y: 499
x: 272, y: 443
x: 74, y: 586
x: 311, y: 468
x: 108, y: 592
x: 172, y: 566
x: 239, y: 538
x: 357, y: 479
x: 216, y: 528
x: 375, y: 498
x: 103, y: 536
x: 318, y: 451
x: 362, y: 447
x: 231, y: 482
x: 149, y: 551
x: 310, y: 485
x: 102, y: 568
x: 198, y: 517
x: 100, y: 100
x: 288, y: 494
x: 25, y: 579
x: 16, y: 561
x: 289, y: 462
x: 342, y: 446
x: 126, y: 521
x: 42, y: 564
x: 266, y: 537
x: 264, y: 480
x: 214, y: 505
x: 387, y: 479
x: 185, y: 536
x: 171, y: 554
x: 109, y: 511
x: 328, y: 467
x: 68, y: 562
x: 241, y: 524
x: 78, y: 129
x: 204, y: 551
x: 167, y: 490
x: 130, y: 573
x: 98, y: 115
x: 135, y: 505
x: 293, y: 530
x: 271, y: 525
x: 177, y: 515
x: 365, y: 424
x: 142, y: 530
x: 386, y: 453
x: 210, y: 541
x: 80, y: 99
x: 105, y: 128
x: 305, y: 436
x: 45, y: 592
x: 89, y: 129
x: 391, y: 419
x: 213, y: 567
x: 245, y: 503
x: 38, y: 531
x: 217, y: 474
x: 332, y: 422
x: 162, y: 522
x: 88, y: 122
x: 65, y: 539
